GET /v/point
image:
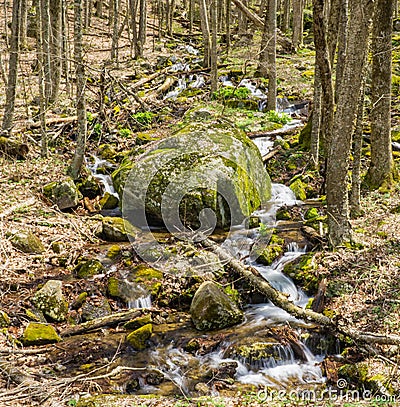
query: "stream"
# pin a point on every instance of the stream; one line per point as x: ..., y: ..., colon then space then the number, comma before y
x: 248, y: 353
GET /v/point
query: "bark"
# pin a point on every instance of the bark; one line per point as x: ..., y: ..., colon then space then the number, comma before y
x: 228, y: 24
x: 324, y: 71
x: 251, y: 16
x: 205, y: 28
x: 333, y: 28
x: 12, y: 68
x: 298, y: 11
x: 108, y: 320
x: 340, y: 145
x: 80, y: 93
x: 55, y: 48
x: 142, y: 23
x: 355, y: 193
x: 115, y: 37
x: 381, y: 168
x: 342, y: 41
x: 286, y: 16
x: 213, y: 53
x: 316, y: 119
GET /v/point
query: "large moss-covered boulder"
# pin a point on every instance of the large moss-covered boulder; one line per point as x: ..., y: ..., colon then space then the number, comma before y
x: 64, y: 194
x: 39, y: 334
x: 50, y: 300
x: 203, y: 165
x: 27, y: 242
x: 212, y: 309
x: 114, y: 229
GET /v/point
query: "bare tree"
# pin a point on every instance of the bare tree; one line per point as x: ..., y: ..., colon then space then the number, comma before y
x: 205, y: 28
x: 77, y: 161
x: 12, y: 68
x: 213, y: 53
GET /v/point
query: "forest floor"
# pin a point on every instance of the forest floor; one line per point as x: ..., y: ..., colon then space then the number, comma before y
x: 363, y: 280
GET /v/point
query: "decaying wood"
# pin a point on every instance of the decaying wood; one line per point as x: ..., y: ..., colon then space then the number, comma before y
x: 150, y: 78
x: 108, y: 320
x: 280, y: 300
x: 12, y: 147
x: 283, y: 131
x: 271, y: 154
x: 169, y: 81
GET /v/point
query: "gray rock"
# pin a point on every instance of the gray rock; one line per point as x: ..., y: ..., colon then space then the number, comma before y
x: 113, y: 229
x: 50, y: 300
x: 64, y: 194
x: 27, y: 242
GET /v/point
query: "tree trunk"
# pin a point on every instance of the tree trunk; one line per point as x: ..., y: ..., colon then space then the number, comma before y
x: 316, y: 119
x: 324, y: 71
x: 23, y: 24
x: 298, y: 11
x: 339, y: 148
x: 55, y: 48
x: 143, y: 23
x: 115, y: 31
x: 342, y: 41
x: 205, y: 28
x: 228, y: 24
x: 214, y: 54
x: 286, y: 16
x: 380, y: 171
x: 77, y: 161
x: 12, y: 68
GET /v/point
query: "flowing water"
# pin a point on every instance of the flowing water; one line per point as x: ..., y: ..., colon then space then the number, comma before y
x: 278, y: 364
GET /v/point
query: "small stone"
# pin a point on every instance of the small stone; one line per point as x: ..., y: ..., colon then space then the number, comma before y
x: 39, y: 334
x: 4, y: 320
x: 93, y: 311
x: 57, y: 247
x: 64, y: 194
x: 137, y: 339
x: 115, y: 229
x: 89, y: 268
x: 138, y: 322
x: 108, y: 201
x: 212, y: 309
x: 51, y: 301
x: 113, y: 252
x: 79, y: 300
x: 27, y: 242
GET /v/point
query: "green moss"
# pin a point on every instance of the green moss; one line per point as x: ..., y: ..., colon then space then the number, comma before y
x: 80, y: 300
x: 232, y: 293
x: 107, y: 151
x: 149, y: 277
x: 113, y: 287
x: 4, y: 320
x: 39, y: 334
x: 89, y: 268
x: 114, y: 229
x: 113, y: 252
x: 138, y: 322
x: 299, y: 189
x: 303, y: 272
x: 137, y: 339
x: 309, y: 74
x: 283, y: 214
x: 311, y: 213
x: 108, y: 201
x: 27, y: 242
x: 50, y: 300
x: 259, y: 350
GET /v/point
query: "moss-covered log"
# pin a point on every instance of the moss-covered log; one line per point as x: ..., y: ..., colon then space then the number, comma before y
x: 14, y: 148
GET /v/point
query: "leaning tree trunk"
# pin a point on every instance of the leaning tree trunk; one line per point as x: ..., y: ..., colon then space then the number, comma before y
x: 381, y: 169
x: 77, y: 161
x: 339, y: 226
x: 12, y: 68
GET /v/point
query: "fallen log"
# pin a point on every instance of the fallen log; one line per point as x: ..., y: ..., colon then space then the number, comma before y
x: 280, y: 300
x: 283, y: 131
x: 108, y: 320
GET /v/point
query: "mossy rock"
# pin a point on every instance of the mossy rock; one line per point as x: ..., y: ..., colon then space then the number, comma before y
x: 126, y: 290
x: 114, y: 229
x: 35, y: 315
x: 4, y: 319
x: 108, y: 201
x: 89, y: 187
x: 89, y: 268
x: 299, y: 189
x: 283, y: 213
x: 64, y: 194
x: 303, y: 272
x: 212, y: 309
x: 138, y: 338
x: 107, y: 152
x: 36, y: 334
x: 247, y: 104
x: 79, y: 300
x: 138, y: 322
x: 50, y: 300
x: 258, y: 350
x: 217, y: 160
x: 93, y: 311
x: 114, y: 252
x: 27, y: 242
x: 273, y: 251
